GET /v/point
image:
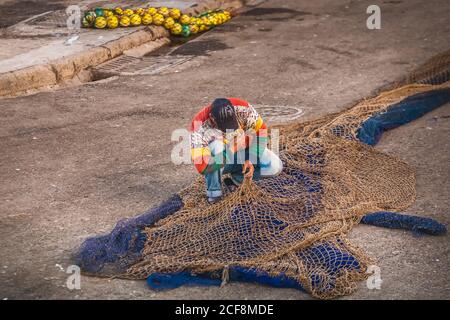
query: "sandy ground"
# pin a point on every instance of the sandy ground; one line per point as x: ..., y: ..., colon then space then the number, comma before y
x: 75, y: 161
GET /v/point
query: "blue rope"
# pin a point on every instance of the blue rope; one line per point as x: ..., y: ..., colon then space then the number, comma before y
x: 393, y: 220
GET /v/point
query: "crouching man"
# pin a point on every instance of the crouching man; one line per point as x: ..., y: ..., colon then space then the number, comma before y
x: 229, y: 136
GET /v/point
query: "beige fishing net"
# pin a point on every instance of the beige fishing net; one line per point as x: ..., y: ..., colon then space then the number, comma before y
x: 295, y: 224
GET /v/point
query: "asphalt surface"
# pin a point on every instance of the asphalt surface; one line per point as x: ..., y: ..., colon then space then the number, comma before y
x: 77, y: 160
x: 16, y: 11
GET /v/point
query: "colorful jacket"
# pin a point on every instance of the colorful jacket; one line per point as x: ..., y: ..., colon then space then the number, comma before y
x: 203, y: 133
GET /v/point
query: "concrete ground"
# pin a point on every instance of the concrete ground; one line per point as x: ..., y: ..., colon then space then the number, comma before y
x: 21, y: 10
x: 75, y: 161
x: 17, y: 11
x: 44, y: 39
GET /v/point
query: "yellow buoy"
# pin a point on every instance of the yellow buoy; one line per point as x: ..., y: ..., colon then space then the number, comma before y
x: 128, y: 12
x: 194, y: 28
x: 112, y: 22
x: 164, y: 11
x: 169, y: 22
x: 135, y: 19
x: 204, y: 27
x: 124, y: 21
x: 147, y: 19
x: 184, y: 19
x: 118, y: 11
x: 107, y: 13
x: 152, y: 11
x: 158, y: 19
x: 192, y: 20
x: 176, y: 29
x: 100, y: 22
x: 205, y: 21
x: 140, y: 11
x: 212, y: 21
x: 175, y: 13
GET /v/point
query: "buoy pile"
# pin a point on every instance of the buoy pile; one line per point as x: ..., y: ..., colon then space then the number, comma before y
x: 170, y: 18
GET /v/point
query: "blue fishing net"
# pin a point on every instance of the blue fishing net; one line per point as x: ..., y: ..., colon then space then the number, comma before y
x: 289, y: 230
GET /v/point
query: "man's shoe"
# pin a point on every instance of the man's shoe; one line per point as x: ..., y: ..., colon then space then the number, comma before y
x: 213, y: 200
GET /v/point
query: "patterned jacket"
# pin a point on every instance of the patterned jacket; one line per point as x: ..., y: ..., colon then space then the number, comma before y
x: 203, y: 132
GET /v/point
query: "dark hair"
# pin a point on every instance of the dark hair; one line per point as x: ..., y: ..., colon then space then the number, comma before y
x: 223, y: 113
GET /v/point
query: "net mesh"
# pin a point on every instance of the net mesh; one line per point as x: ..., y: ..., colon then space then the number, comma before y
x: 295, y: 224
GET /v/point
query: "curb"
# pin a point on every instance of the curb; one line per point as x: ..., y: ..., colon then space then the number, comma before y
x: 56, y: 72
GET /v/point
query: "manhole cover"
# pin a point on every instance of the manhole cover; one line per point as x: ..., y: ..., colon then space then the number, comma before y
x: 126, y: 65
x: 279, y: 113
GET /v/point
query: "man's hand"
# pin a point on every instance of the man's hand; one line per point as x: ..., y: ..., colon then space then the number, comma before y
x: 248, y: 169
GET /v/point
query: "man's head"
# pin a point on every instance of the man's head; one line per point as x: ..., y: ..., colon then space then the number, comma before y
x: 224, y: 115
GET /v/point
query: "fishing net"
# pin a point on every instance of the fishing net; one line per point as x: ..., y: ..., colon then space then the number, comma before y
x: 291, y: 229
